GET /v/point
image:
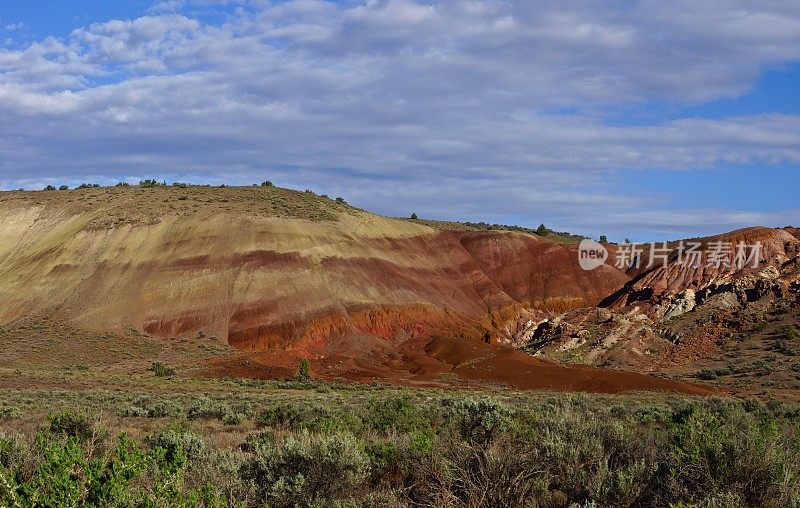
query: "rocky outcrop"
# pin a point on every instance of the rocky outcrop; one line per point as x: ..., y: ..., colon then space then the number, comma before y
x: 736, y: 328
x: 683, y: 302
x: 654, y: 288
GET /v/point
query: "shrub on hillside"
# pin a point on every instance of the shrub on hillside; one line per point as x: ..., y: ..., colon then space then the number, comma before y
x: 71, y: 424
x: 307, y: 469
x: 178, y: 443
x: 150, y: 183
x: 706, y: 374
x: 479, y: 420
x: 161, y: 370
x: 729, y: 452
x: 303, y: 371
x: 206, y: 408
x: 506, y: 472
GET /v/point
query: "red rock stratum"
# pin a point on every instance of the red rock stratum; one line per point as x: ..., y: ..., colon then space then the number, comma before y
x: 284, y: 275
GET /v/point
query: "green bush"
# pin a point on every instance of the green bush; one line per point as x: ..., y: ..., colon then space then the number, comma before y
x: 308, y: 469
x: 163, y: 409
x: 66, y: 476
x: 152, y: 183
x: 161, y: 370
x: 146, y: 407
x: 303, y: 371
x: 419, y: 449
x: 588, y: 458
x: 728, y: 452
x: 178, y: 443
x: 232, y: 418
x: 706, y: 374
x: 316, y: 419
x: 71, y: 424
x: 723, y: 371
x: 133, y: 411
x: 396, y: 414
x: 12, y: 451
x: 286, y: 416
x: 206, y: 408
x: 478, y: 420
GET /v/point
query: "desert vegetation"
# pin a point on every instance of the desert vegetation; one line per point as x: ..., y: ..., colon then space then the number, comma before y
x: 561, y: 237
x: 317, y: 444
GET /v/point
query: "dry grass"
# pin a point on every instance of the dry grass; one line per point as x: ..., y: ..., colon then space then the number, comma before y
x: 553, y: 236
x: 55, y: 344
x: 112, y: 207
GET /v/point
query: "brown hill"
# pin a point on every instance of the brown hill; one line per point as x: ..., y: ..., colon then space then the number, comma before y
x: 286, y: 275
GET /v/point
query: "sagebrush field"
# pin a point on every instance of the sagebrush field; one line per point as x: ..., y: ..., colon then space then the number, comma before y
x: 150, y: 440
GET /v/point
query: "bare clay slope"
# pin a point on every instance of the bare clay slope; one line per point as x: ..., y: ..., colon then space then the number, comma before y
x: 280, y: 273
x: 736, y: 328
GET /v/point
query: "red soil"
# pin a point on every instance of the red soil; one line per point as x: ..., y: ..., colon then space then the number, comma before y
x: 447, y: 362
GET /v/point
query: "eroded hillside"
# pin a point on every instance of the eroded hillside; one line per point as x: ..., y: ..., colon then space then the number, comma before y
x: 281, y: 275
x: 735, y: 328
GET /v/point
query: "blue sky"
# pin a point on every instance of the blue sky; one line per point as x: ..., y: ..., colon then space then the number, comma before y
x: 643, y: 120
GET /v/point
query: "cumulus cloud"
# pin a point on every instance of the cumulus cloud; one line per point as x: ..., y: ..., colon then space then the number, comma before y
x: 460, y: 109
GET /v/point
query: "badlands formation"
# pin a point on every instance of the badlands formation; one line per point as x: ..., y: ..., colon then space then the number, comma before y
x: 273, y: 276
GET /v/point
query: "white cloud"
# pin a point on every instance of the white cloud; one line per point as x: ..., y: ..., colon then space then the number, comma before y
x: 167, y: 6
x: 453, y: 100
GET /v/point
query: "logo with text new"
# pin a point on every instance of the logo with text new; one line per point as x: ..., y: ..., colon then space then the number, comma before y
x: 591, y: 254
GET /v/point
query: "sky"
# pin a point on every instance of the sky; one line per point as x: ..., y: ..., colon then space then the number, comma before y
x: 646, y: 120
